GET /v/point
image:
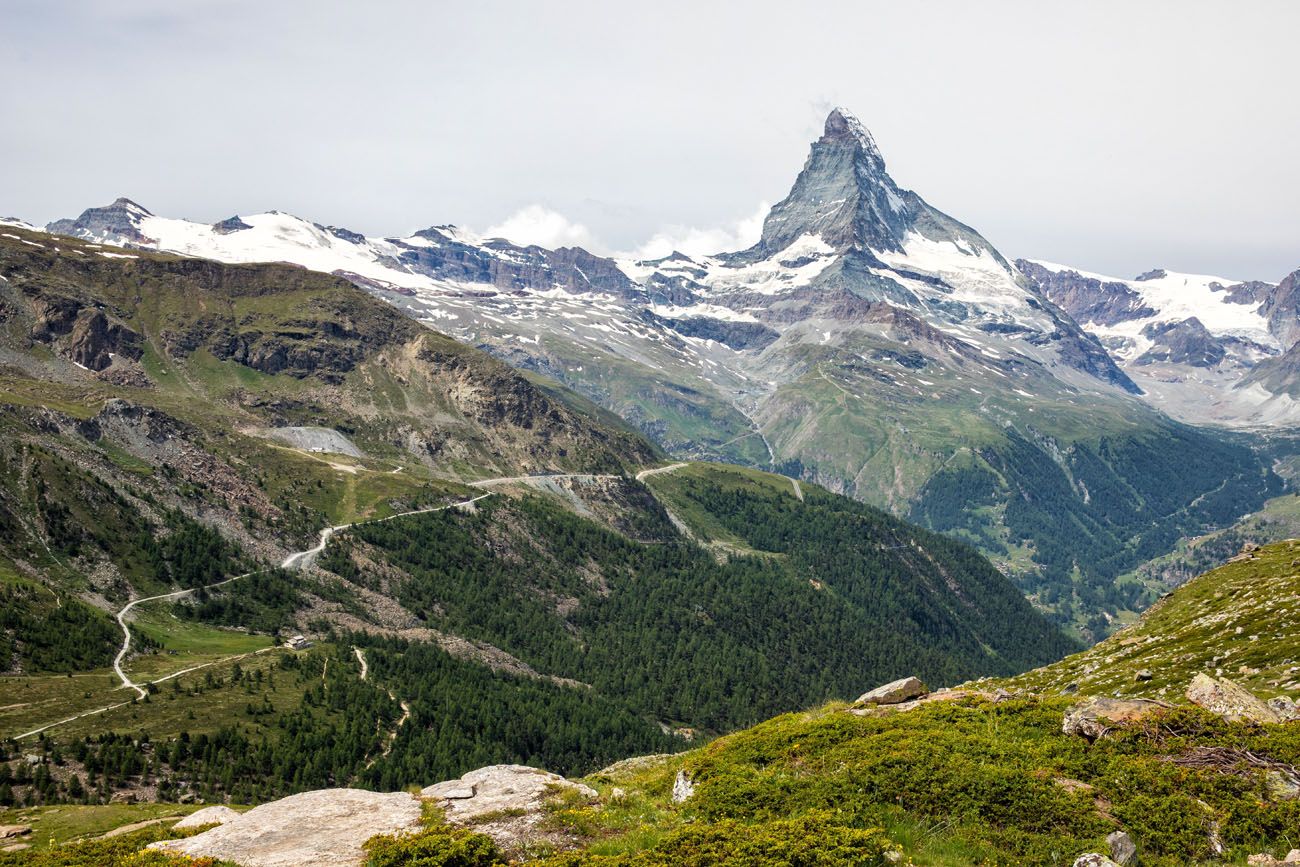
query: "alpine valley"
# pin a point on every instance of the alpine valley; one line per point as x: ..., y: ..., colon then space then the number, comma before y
x: 320, y: 548
x: 878, y: 347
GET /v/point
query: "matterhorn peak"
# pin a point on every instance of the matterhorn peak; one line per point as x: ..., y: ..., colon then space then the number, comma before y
x: 843, y: 127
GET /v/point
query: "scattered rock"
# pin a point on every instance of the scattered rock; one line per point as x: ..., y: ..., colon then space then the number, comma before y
x: 215, y: 815
x: 636, y: 763
x: 1228, y: 700
x: 1285, y: 708
x: 896, y: 692
x: 1093, y: 859
x: 1266, y: 860
x: 7, y: 831
x: 1123, y: 850
x: 122, y: 830
x: 327, y: 826
x: 942, y: 695
x: 1093, y: 718
x: 1142, y: 674
x: 1281, y: 786
x: 15, y: 847
x: 507, y: 802
x: 683, y: 787
x: 1071, y: 785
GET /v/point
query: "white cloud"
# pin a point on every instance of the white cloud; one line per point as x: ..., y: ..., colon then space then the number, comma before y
x: 696, y: 241
x: 537, y: 224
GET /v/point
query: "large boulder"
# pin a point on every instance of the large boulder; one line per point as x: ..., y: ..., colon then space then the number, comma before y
x: 507, y: 802
x: 683, y: 788
x: 1123, y: 850
x: 1230, y: 701
x: 1094, y: 717
x: 896, y: 692
x: 216, y: 815
x: 1093, y: 859
x: 328, y: 826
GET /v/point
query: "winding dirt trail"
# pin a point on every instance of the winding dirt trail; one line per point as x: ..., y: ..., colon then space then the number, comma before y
x: 295, y: 561
x: 304, y: 559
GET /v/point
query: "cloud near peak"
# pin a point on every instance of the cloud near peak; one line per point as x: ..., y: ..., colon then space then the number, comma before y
x: 697, y: 241
x: 538, y: 224
x: 545, y: 227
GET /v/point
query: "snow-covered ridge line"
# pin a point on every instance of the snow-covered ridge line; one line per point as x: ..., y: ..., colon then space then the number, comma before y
x: 1176, y: 297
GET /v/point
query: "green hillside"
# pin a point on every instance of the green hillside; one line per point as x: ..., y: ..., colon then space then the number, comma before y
x: 176, y: 428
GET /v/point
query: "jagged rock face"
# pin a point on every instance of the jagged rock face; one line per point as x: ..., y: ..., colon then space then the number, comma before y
x: 229, y: 225
x: 506, y: 266
x: 1250, y: 292
x: 1203, y: 349
x: 734, y: 335
x: 83, y: 333
x: 1282, y: 309
x: 116, y: 223
x: 1187, y: 342
x: 1278, y: 375
x: 1087, y: 299
x: 843, y: 195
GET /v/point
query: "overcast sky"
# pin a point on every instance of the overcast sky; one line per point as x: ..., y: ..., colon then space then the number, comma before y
x: 1112, y: 136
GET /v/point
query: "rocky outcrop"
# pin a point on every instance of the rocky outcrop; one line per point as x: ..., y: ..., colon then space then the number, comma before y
x: 895, y: 692
x: 84, y: 333
x: 1281, y: 307
x: 328, y: 826
x: 1286, y: 709
x: 1094, y: 718
x: 734, y: 335
x: 506, y: 802
x: 1094, y: 859
x: 230, y: 225
x: 117, y: 223
x: 439, y: 253
x: 1186, y: 342
x: 1087, y: 299
x: 1230, y: 701
x: 1123, y: 850
x: 683, y: 788
x: 217, y: 814
x: 1266, y: 860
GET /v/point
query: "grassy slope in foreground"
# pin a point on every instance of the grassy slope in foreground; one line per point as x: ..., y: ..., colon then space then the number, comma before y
x: 1240, y: 621
x: 975, y: 781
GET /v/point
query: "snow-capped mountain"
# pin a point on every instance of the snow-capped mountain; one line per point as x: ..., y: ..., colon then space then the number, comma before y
x: 1202, y: 348
x: 868, y: 341
x: 855, y: 282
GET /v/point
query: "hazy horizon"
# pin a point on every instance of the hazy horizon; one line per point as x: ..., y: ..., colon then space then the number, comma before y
x: 1114, y: 137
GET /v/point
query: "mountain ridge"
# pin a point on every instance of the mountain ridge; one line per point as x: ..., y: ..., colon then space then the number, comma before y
x: 867, y: 342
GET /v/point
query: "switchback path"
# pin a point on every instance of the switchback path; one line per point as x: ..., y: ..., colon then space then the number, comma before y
x: 304, y: 559
x: 517, y: 480
x: 299, y: 560
x: 654, y: 471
